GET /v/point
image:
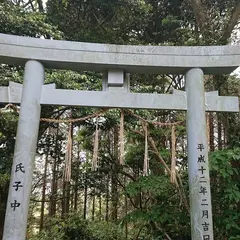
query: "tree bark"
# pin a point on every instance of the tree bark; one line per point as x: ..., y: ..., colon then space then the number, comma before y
x: 211, y: 132
x: 114, y: 186
x: 107, y: 199
x: 44, y: 192
x: 85, y: 200
x: 54, y: 183
x: 200, y: 14
x: 205, y: 23
x: 232, y: 22
x: 77, y: 181
x: 3, y: 206
x: 219, y: 132
x: 93, y: 205
x: 126, y: 209
x: 67, y: 176
x: 100, y: 207
x: 40, y: 5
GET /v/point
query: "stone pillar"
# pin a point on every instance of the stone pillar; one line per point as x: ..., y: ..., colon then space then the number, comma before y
x: 24, y: 153
x: 198, y: 170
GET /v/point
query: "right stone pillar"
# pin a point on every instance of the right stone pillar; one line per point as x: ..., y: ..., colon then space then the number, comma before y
x: 198, y: 169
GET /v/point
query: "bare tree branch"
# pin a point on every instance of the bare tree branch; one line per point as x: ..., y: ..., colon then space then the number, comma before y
x: 233, y: 20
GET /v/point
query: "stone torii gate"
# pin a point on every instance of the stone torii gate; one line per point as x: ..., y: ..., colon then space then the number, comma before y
x: 117, y: 61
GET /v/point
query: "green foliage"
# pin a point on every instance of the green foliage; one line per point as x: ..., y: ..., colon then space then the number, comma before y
x: 4, y: 179
x: 225, y: 187
x: 75, y: 80
x: 75, y: 228
x: 159, y: 210
x: 8, y: 126
x: 15, y: 20
x: 156, y: 185
x: 106, y: 21
x: 154, y: 206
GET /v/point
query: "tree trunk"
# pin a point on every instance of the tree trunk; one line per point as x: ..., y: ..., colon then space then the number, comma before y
x: 219, y: 132
x: 67, y: 175
x: 114, y: 185
x: 63, y: 199
x: 54, y: 184
x: 66, y: 198
x: 126, y: 210
x: 40, y: 5
x: 77, y: 181
x: 107, y: 199
x: 233, y: 20
x: 211, y: 132
x: 85, y: 200
x: 201, y: 16
x: 3, y: 206
x: 93, y: 205
x: 76, y: 196
x: 44, y: 192
x: 114, y: 193
x: 225, y: 126
x: 100, y: 207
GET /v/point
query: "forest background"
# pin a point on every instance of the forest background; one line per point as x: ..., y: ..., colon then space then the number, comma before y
x: 81, y: 191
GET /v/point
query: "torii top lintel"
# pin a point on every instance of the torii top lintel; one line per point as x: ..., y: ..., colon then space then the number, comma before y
x: 101, y: 57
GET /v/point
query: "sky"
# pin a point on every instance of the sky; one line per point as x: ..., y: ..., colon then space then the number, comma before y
x: 237, y: 71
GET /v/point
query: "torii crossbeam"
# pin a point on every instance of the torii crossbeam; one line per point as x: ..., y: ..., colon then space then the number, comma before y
x: 117, y: 61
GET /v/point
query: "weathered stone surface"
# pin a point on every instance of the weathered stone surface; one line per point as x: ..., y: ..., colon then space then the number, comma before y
x: 24, y: 154
x: 101, y: 57
x: 119, y: 98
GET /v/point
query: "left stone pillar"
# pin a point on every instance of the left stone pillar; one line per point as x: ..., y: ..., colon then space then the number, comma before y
x: 24, y: 154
